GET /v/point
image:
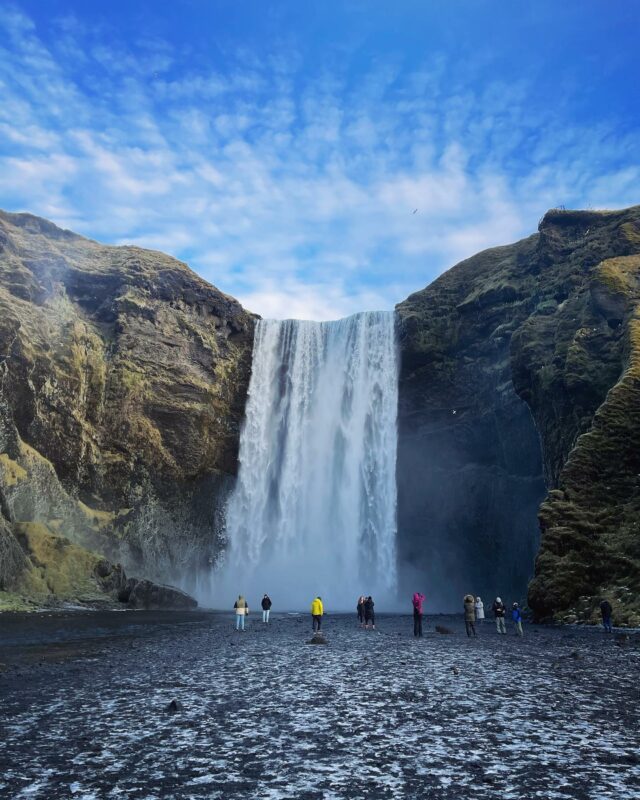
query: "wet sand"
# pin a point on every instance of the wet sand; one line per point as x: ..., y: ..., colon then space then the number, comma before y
x: 262, y: 714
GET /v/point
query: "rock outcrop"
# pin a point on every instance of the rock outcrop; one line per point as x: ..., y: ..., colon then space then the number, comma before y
x: 46, y: 569
x: 520, y: 363
x: 123, y: 378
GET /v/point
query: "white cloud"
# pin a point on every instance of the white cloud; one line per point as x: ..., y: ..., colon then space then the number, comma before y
x: 295, y: 195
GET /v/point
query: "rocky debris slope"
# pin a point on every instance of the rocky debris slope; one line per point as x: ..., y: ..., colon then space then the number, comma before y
x: 554, y: 321
x: 123, y: 378
x: 43, y: 569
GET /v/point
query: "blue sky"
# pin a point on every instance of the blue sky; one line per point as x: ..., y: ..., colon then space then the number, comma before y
x: 280, y: 148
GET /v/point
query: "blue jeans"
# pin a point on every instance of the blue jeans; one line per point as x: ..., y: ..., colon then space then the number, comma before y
x: 606, y: 621
x: 265, y: 614
x: 239, y: 622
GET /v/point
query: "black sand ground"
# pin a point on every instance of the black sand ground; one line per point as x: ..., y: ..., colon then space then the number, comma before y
x: 264, y: 715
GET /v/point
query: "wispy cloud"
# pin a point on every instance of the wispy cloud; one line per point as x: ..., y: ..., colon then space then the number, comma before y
x: 294, y: 191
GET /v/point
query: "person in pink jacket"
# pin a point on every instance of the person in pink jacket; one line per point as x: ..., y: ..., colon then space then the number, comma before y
x: 418, y: 600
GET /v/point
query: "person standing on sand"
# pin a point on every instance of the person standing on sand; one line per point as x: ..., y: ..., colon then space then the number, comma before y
x: 418, y: 600
x: 470, y: 614
x: 360, y: 610
x: 317, y: 610
x: 369, y: 616
x: 479, y: 610
x: 266, y: 607
x: 499, y: 611
x: 242, y: 609
x: 606, y: 611
x: 516, y: 615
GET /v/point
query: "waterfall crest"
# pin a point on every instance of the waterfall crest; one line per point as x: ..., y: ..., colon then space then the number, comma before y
x: 314, y: 509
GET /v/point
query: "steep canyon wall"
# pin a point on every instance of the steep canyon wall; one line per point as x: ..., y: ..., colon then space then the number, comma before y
x: 519, y: 383
x: 123, y: 378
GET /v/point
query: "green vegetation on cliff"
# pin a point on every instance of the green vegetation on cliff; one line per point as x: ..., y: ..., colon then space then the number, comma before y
x: 123, y: 378
x: 557, y: 318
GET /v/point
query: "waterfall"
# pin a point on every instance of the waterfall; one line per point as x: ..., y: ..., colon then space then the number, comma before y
x: 314, y: 508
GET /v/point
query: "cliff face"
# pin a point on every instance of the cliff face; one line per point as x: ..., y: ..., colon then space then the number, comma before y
x: 544, y: 331
x: 469, y: 466
x: 123, y: 377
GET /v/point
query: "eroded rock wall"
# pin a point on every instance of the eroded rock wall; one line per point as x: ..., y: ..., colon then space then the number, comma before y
x: 469, y: 463
x: 549, y: 322
x: 123, y: 377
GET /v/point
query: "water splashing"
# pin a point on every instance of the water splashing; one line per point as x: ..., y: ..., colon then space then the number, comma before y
x: 314, y: 509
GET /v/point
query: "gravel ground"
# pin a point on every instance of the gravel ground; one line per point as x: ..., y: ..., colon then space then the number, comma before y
x: 262, y: 714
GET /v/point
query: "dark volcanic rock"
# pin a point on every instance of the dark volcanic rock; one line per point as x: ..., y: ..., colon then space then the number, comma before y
x: 443, y: 629
x: 123, y: 378
x: 148, y: 595
x: 544, y: 331
x: 469, y: 471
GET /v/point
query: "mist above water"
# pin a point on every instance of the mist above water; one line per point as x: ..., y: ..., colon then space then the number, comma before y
x: 314, y: 509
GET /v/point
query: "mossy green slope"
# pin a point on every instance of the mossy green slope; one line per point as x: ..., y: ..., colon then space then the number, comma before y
x: 123, y: 378
x: 554, y: 317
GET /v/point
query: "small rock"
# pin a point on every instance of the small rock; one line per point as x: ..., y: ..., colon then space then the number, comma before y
x: 173, y: 707
x: 317, y: 638
x: 443, y: 629
x: 455, y: 670
x: 575, y: 654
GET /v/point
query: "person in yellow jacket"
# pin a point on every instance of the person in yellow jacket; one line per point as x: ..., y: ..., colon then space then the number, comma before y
x: 317, y: 610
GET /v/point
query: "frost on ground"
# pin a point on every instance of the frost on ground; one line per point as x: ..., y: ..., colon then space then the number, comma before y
x: 373, y: 714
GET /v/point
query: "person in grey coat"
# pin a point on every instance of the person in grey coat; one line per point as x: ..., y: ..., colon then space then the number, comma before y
x: 499, y: 610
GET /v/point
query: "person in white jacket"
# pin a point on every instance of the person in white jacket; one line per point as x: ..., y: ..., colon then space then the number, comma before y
x: 479, y: 611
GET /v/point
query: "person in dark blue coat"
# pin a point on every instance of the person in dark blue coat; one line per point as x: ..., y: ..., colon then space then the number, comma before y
x: 516, y: 616
x: 606, y: 611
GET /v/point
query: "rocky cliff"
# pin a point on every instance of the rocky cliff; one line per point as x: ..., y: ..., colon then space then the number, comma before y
x: 520, y: 383
x: 123, y: 378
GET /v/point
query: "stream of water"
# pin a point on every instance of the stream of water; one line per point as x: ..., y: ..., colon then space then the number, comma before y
x: 314, y: 510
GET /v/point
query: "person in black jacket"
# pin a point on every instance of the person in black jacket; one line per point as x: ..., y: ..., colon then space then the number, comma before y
x: 499, y: 611
x: 606, y: 610
x: 266, y: 608
x: 369, y: 616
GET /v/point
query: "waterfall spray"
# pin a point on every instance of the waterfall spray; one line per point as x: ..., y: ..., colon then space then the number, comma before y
x: 314, y: 509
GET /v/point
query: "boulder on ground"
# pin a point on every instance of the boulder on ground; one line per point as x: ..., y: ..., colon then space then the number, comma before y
x: 443, y: 629
x: 148, y: 595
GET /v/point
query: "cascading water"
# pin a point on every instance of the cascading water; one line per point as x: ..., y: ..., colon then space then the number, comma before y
x: 314, y: 509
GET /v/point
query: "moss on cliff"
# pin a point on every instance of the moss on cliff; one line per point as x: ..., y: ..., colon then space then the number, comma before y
x: 123, y: 377
x: 557, y: 317
x: 58, y: 568
x: 40, y: 568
